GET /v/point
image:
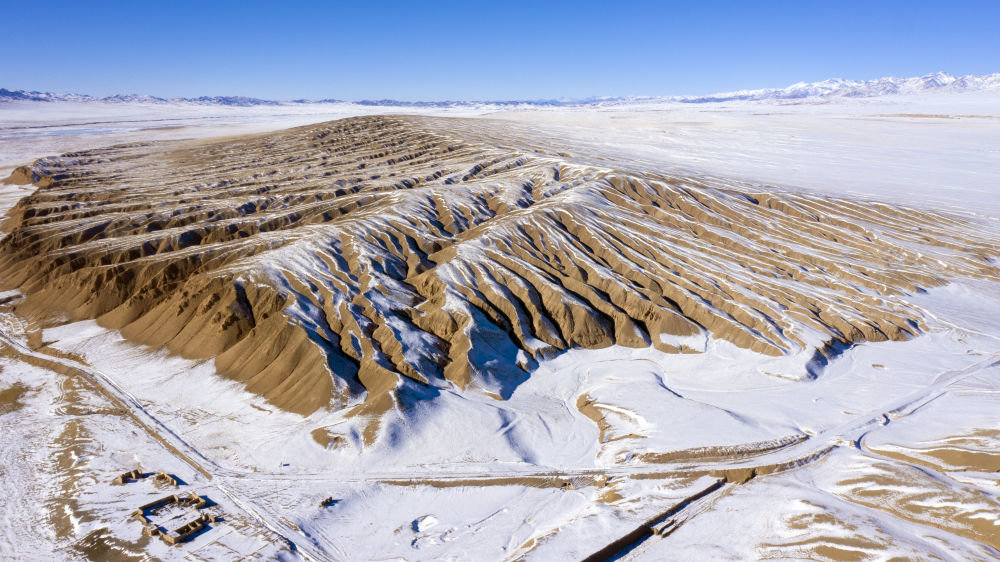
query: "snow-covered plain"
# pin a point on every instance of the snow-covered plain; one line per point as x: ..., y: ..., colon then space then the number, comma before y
x: 534, y: 476
x: 858, y: 462
x: 938, y: 150
x: 934, y: 150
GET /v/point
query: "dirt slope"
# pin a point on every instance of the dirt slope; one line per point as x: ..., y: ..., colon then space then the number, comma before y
x: 322, y: 265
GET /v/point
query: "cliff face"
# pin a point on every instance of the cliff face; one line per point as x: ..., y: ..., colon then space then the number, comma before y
x: 322, y: 265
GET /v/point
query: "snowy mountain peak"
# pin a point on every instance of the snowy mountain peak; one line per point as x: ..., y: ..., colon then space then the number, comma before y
x: 839, y: 87
x: 825, y: 89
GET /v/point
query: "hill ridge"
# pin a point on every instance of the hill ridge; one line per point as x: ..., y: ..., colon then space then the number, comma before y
x: 344, y: 264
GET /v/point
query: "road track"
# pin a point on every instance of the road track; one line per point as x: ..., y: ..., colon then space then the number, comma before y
x: 733, y: 471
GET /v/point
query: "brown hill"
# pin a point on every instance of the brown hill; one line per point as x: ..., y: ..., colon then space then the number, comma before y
x: 319, y: 265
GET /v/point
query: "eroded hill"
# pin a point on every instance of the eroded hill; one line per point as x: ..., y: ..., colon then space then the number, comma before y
x: 326, y: 266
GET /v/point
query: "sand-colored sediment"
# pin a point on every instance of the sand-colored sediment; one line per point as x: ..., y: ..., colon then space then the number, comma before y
x: 916, y: 495
x: 10, y: 397
x: 817, y: 533
x: 588, y: 407
x: 22, y: 175
x: 732, y: 452
x: 964, y: 454
x: 324, y: 265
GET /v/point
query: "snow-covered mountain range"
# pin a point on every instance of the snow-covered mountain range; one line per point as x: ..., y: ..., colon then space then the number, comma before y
x: 240, y: 101
x: 838, y: 87
x: 831, y: 88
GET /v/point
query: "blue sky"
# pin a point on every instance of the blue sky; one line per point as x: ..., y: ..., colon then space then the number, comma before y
x: 490, y: 50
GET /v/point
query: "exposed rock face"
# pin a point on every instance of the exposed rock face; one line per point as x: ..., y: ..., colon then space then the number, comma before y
x: 322, y: 265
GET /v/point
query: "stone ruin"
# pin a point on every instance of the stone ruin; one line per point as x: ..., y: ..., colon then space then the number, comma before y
x: 137, y: 474
x: 182, y: 533
x: 130, y: 476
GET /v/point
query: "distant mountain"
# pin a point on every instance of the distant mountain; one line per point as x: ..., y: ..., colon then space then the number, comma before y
x: 128, y: 98
x: 838, y: 87
x: 22, y: 95
x: 501, y: 103
x: 832, y: 88
x: 237, y: 101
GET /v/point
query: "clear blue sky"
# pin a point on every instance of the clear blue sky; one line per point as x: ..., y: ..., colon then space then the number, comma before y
x: 425, y: 50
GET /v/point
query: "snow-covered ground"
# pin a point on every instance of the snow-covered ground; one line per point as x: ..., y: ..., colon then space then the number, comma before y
x: 473, y: 478
x: 865, y: 460
x: 938, y: 150
x: 935, y: 150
